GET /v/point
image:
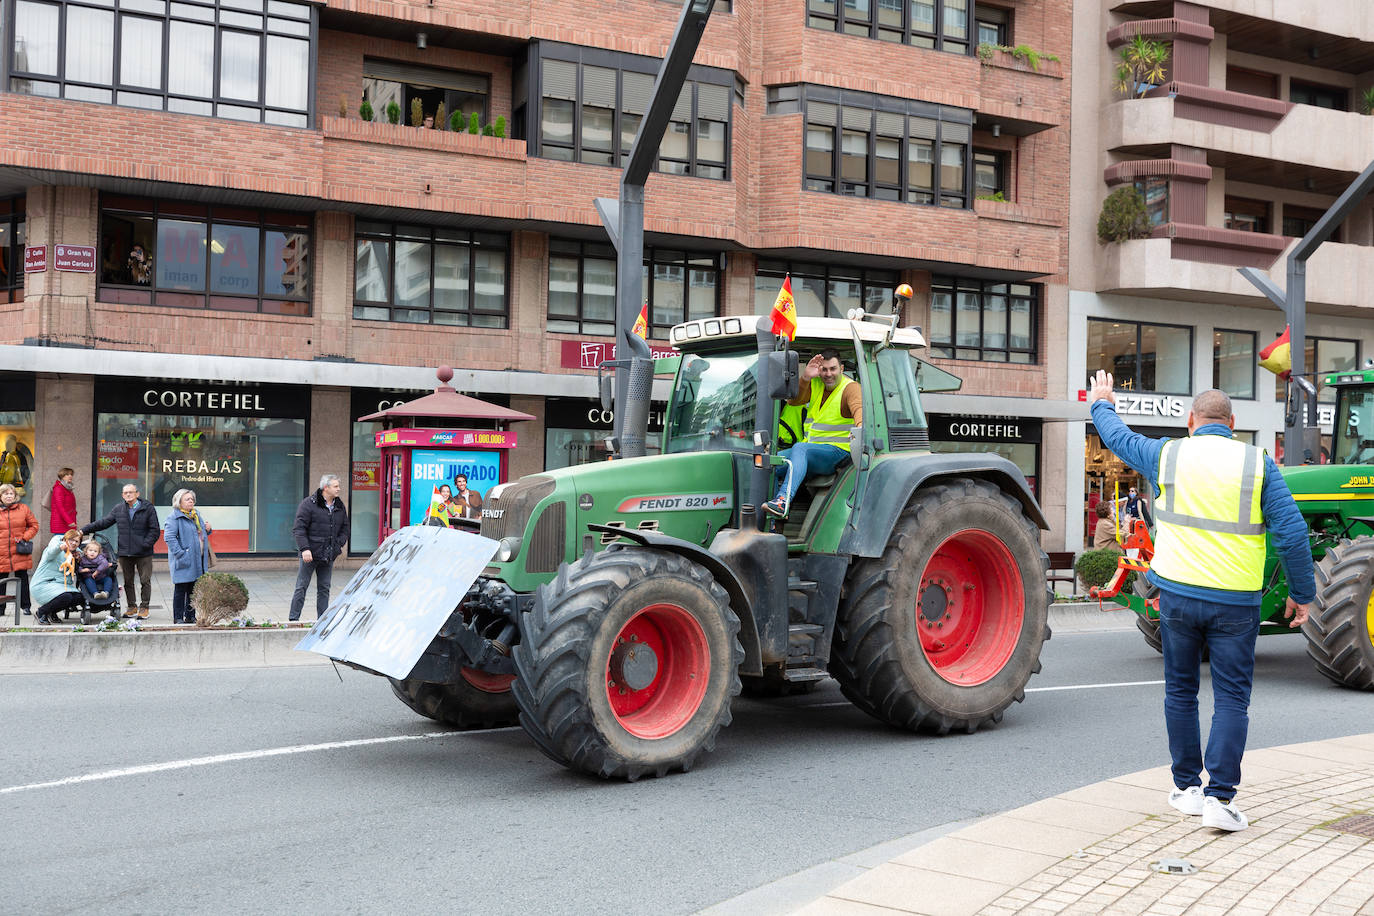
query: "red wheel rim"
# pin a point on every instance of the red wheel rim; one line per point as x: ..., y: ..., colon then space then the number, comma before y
x: 487, y: 683
x: 668, y: 702
x: 970, y: 607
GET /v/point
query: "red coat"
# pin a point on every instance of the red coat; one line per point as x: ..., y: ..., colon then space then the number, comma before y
x: 16, y: 521
x: 63, y: 508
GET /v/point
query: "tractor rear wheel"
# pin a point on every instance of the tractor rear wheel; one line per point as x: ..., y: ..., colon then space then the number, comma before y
x: 478, y: 700
x: 1340, y: 630
x: 627, y: 664
x: 943, y: 631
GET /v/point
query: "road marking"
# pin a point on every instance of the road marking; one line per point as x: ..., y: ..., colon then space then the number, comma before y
x: 235, y: 757
x: 1028, y: 690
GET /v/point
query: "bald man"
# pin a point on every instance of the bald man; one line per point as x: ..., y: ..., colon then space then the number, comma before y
x: 1216, y: 499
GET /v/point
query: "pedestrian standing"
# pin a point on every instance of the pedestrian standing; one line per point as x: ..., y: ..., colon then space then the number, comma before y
x: 321, y: 530
x: 188, y: 552
x: 1215, y: 498
x: 54, y: 579
x: 20, y: 525
x: 136, y: 521
x: 61, y: 502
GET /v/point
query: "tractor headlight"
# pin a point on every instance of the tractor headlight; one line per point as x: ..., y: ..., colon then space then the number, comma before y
x: 506, y: 549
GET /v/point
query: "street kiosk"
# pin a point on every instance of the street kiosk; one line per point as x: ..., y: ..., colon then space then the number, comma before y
x: 423, y: 448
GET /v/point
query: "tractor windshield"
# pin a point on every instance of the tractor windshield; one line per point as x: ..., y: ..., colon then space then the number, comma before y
x: 1354, y: 439
x: 712, y: 408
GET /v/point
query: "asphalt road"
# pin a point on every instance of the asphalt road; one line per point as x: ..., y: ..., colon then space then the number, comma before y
x: 482, y: 823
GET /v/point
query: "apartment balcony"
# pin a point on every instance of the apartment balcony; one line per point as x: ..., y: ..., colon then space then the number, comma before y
x: 1340, y: 278
x: 1022, y: 99
x: 1318, y: 138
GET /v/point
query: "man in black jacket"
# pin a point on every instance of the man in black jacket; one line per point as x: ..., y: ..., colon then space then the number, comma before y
x: 321, y: 531
x: 138, y: 533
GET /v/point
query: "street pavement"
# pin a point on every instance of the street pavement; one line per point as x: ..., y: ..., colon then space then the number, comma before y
x: 1092, y: 849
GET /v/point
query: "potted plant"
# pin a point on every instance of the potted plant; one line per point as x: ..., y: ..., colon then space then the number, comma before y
x: 1123, y: 216
x: 455, y: 122
x: 417, y: 112
x: 440, y: 118
x: 393, y: 112
x: 1141, y: 66
x: 365, y: 110
x: 474, y: 124
x: 500, y: 129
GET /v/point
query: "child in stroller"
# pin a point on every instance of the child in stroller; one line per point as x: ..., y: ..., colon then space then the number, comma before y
x: 95, y: 577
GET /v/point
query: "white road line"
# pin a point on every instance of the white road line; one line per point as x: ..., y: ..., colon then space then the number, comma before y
x: 1028, y: 690
x: 231, y: 758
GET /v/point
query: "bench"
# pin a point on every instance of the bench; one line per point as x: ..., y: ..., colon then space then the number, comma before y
x: 1061, y: 570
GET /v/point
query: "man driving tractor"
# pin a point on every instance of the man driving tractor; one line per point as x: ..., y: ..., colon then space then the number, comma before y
x: 834, y: 406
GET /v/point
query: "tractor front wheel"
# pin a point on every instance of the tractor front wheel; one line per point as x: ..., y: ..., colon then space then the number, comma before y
x: 1340, y: 630
x: 943, y: 631
x: 627, y: 664
x: 478, y: 700
x: 1149, y: 628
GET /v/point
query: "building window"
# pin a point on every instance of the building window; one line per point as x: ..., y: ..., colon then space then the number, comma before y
x: 1155, y: 358
x: 1233, y: 363
x: 1247, y: 215
x: 823, y: 290
x: 591, y: 102
x: 385, y: 82
x: 1298, y: 221
x: 12, y: 249
x: 1324, y: 355
x: 990, y: 170
x: 428, y: 275
x: 186, y: 255
x: 885, y: 148
x: 939, y: 24
x: 235, y: 59
x: 678, y: 285
x: 1332, y: 97
x: 993, y: 25
x: 1155, y: 192
x: 971, y: 319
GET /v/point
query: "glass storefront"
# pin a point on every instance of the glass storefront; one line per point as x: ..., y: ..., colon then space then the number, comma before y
x: 17, y: 438
x: 1015, y: 438
x: 240, y: 446
x: 576, y: 430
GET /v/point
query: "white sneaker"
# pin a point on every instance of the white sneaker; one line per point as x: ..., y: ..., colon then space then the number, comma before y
x: 1221, y: 815
x: 1188, y: 801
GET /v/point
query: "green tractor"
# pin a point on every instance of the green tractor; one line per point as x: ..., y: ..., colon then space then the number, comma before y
x: 1337, y: 499
x: 629, y: 601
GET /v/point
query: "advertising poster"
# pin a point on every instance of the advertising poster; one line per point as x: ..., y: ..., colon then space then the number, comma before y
x: 366, y: 475
x: 430, y: 468
x: 117, y: 458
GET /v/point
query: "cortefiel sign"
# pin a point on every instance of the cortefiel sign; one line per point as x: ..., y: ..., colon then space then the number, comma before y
x: 394, y: 606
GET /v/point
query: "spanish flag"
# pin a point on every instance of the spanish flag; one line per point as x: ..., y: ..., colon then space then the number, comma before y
x: 642, y: 323
x: 784, y: 312
x: 1278, y: 356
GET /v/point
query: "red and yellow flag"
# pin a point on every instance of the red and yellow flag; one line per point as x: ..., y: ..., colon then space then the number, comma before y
x: 1278, y: 356
x: 642, y: 323
x: 784, y: 312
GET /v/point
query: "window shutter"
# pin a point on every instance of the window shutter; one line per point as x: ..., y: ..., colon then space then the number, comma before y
x: 713, y: 102
x: 857, y: 118
x: 922, y: 128
x: 821, y: 113
x: 560, y: 80
x: 890, y: 125
x: 955, y: 133
x: 682, y: 111
x: 636, y: 89
x: 598, y: 87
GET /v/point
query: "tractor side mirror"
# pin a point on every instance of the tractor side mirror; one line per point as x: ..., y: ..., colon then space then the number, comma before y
x: 607, y: 392
x: 784, y: 375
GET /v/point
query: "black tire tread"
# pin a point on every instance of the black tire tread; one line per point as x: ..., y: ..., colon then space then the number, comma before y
x: 864, y: 658
x: 551, y: 659
x: 459, y: 705
x: 1338, y: 641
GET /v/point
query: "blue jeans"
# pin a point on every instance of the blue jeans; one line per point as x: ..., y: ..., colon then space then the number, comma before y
x: 808, y: 460
x: 1228, y: 631
x: 91, y: 585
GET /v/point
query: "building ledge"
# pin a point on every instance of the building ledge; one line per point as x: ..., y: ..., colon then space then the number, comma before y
x: 1166, y: 29
x: 336, y: 128
x: 1213, y: 245
x: 1014, y: 212
x: 1006, y: 60
x: 1196, y: 102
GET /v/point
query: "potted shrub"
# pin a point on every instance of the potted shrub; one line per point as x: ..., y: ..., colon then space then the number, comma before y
x: 500, y: 128
x: 393, y: 112
x: 218, y: 596
x: 1123, y: 216
x: 417, y: 113
x: 365, y: 110
x: 1367, y: 101
x: 440, y: 118
x: 1095, y: 568
x: 474, y: 125
x: 455, y: 122
x: 1141, y: 66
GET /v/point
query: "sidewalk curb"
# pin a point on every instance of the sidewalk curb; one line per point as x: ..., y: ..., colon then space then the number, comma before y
x: 29, y: 653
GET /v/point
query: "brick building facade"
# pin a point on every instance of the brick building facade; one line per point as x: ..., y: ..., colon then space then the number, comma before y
x: 328, y: 262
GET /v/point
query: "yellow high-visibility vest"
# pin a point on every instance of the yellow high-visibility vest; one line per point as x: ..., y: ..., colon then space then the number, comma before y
x: 790, y: 420
x: 825, y: 425
x: 1210, y: 528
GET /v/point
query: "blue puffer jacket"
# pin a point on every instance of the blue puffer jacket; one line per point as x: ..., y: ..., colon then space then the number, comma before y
x: 188, y: 549
x: 47, y: 580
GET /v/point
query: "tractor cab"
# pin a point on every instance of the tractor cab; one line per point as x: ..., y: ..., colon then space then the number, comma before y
x: 1353, y: 439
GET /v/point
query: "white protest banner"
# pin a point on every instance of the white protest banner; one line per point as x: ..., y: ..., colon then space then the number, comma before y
x: 394, y: 606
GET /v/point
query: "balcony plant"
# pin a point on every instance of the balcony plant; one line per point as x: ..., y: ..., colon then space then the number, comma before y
x: 393, y: 112
x: 474, y: 123
x: 1141, y: 66
x: 343, y: 105
x: 365, y: 110
x: 417, y: 113
x: 1366, y: 101
x: 1123, y: 216
x: 1024, y: 53
x: 455, y: 122
x: 441, y: 118
x: 500, y: 128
